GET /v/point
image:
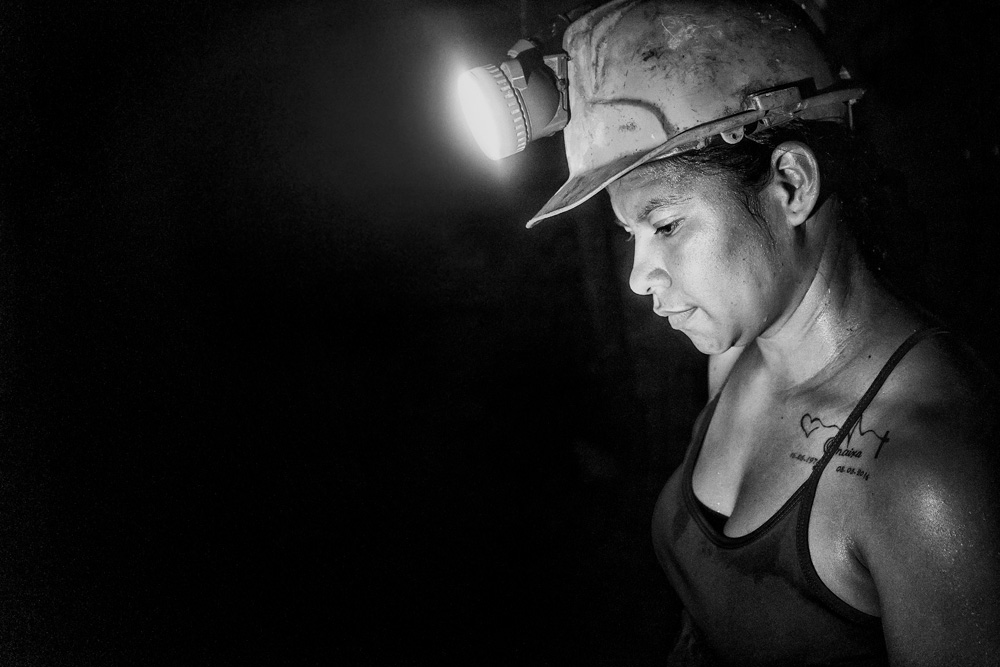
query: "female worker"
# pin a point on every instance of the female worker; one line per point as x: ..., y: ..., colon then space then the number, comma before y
x: 838, y: 502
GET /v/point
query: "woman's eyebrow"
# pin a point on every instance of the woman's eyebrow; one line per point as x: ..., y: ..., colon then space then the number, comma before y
x: 657, y: 202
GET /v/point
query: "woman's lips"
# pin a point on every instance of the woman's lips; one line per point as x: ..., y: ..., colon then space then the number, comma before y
x: 676, y: 317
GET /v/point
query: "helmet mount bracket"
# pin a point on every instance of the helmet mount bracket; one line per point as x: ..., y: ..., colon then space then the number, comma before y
x: 526, y: 61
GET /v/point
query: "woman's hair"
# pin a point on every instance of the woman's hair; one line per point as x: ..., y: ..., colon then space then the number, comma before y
x: 848, y: 166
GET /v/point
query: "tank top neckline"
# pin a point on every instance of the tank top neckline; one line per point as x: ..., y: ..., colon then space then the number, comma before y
x: 718, y: 537
x: 808, y: 486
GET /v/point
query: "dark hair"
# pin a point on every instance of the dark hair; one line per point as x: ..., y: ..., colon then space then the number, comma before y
x: 848, y: 166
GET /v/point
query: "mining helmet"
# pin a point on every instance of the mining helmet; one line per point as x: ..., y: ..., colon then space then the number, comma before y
x: 648, y: 79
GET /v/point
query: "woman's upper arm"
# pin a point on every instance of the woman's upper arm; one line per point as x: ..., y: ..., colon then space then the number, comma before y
x: 932, y: 545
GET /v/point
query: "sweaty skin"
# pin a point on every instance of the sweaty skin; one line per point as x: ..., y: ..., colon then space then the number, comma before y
x: 905, y: 523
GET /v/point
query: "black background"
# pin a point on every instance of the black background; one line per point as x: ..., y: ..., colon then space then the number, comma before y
x: 284, y: 379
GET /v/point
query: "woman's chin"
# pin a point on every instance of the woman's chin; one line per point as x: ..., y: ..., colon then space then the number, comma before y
x: 708, y: 344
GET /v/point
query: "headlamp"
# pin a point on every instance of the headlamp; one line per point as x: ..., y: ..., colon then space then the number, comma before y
x: 520, y: 100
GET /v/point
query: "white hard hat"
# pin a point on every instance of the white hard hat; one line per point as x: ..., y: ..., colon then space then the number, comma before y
x: 653, y: 78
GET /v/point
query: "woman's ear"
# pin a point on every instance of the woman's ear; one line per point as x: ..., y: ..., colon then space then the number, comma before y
x: 795, y: 180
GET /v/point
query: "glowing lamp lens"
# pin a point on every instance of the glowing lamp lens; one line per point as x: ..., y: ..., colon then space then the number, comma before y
x: 492, y: 111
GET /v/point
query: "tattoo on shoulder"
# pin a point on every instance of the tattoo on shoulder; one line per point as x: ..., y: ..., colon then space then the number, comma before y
x: 811, y: 425
x: 815, y: 428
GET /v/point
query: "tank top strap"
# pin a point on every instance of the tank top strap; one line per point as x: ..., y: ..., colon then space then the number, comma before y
x: 869, y: 395
x: 698, y: 435
x: 812, y: 578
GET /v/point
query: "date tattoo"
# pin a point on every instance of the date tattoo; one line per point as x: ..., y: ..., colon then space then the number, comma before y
x: 814, y: 425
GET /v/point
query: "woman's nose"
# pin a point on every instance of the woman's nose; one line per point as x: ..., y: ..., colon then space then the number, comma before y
x: 646, y: 274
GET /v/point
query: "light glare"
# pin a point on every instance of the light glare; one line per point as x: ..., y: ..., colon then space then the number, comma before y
x: 478, y: 115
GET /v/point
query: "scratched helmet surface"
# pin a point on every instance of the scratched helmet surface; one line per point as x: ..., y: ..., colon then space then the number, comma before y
x: 652, y: 78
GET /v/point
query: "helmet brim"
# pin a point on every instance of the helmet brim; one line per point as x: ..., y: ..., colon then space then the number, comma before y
x: 581, y: 187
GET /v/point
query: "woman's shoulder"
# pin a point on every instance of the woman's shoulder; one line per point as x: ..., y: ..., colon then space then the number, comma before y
x: 940, y: 391
x: 929, y: 526
x: 938, y: 466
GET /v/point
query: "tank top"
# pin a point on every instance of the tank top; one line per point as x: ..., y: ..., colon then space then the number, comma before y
x: 757, y: 599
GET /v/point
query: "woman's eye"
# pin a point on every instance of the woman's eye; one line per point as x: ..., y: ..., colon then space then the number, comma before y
x: 667, y: 229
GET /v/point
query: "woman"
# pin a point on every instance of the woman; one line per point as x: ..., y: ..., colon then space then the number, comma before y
x: 838, y: 501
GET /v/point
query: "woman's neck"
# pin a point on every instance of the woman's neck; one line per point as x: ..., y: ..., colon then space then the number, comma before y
x: 840, y: 309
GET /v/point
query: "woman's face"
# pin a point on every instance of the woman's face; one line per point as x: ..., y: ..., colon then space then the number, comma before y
x: 718, y: 274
